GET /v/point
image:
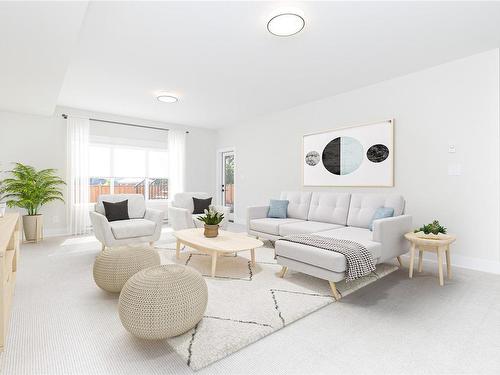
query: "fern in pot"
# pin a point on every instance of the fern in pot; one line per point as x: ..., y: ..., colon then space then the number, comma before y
x: 31, y: 189
x: 212, y: 219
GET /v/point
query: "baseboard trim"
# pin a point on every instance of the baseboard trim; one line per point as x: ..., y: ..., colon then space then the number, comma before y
x: 462, y: 261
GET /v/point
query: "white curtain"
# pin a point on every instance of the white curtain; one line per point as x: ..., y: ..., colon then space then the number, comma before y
x: 78, y: 174
x: 176, y: 162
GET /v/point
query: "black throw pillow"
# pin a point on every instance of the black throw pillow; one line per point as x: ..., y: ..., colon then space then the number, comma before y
x: 200, y: 205
x: 116, y: 211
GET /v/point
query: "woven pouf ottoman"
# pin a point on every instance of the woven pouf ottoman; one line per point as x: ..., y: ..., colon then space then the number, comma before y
x: 114, y: 266
x: 163, y: 301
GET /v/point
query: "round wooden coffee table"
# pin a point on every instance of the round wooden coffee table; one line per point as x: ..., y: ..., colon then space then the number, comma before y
x: 225, y: 243
x: 438, y: 246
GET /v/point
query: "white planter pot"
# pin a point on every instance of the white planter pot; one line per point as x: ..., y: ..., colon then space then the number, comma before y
x: 3, y: 205
x: 33, y: 227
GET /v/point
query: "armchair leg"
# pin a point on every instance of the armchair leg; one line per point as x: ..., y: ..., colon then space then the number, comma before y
x: 283, y: 271
x: 151, y: 243
x: 103, y: 247
x: 335, y: 292
x: 400, y: 262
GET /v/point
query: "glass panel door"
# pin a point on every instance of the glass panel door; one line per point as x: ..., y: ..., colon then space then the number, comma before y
x: 227, y: 183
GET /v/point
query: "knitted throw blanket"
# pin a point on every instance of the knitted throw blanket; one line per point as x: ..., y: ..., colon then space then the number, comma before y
x: 358, y: 259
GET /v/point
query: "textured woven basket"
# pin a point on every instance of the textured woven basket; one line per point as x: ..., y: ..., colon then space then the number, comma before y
x: 163, y: 301
x: 114, y: 266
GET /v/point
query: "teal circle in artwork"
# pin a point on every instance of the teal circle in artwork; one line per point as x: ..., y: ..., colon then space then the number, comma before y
x: 342, y: 155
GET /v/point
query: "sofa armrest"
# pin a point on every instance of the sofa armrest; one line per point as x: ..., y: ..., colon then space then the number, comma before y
x: 180, y: 218
x: 102, y: 229
x: 390, y: 233
x: 256, y: 212
x: 155, y: 216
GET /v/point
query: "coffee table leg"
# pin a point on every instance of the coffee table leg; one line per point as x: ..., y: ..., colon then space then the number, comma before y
x: 440, y: 265
x: 178, y: 249
x: 214, y: 262
x: 252, y: 253
x: 448, y: 262
x: 420, y: 260
x: 412, y: 260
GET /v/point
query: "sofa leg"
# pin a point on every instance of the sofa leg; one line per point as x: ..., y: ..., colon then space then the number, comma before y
x: 103, y: 247
x: 283, y: 271
x: 400, y: 262
x: 335, y: 292
x: 151, y: 243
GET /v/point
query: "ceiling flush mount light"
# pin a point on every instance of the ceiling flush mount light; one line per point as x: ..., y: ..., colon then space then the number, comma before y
x: 164, y: 98
x: 286, y: 24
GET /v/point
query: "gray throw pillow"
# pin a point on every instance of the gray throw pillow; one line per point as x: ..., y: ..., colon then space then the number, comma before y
x: 277, y: 208
x: 382, y: 213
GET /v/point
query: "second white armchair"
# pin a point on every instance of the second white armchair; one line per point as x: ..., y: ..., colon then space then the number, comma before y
x: 180, y: 213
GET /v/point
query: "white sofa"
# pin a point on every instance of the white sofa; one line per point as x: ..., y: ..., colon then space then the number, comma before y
x: 144, y: 224
x: 337, y: 215
x: 180, y: 213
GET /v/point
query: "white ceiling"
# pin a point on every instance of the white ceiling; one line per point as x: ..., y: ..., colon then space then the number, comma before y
x: 218, y: 56
x: 36, y: 42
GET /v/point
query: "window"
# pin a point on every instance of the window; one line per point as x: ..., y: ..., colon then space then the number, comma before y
x: 128, y: 170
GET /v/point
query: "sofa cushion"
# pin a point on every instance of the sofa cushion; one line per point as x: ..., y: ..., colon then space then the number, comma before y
x: 327, y: 259
x: 381, y: 213
x: 136, y: 204
x: 277, y: 208
x: 116, y: 211
x: 298, y: 205
x: 329, y: 207
x: 132, y: 228
x: 363, y: 207
x: 303, y: 227
x: 200, y: 205
x: 185, y: 200
x: 270, y: 225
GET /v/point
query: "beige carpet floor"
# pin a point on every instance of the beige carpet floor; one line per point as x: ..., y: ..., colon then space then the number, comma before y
x: 248, y: 302
x: 62, y: 324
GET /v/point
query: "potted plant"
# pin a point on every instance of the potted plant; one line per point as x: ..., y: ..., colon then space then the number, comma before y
x: 432, y: 230
x: 30, y: 189
x: 212, y: 219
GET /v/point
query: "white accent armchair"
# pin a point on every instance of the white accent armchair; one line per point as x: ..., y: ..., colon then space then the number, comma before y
x: 180, y: 213
x: 144, y: 224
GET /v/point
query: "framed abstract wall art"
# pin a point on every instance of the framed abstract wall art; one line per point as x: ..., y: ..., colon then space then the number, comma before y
x: 354, y: 156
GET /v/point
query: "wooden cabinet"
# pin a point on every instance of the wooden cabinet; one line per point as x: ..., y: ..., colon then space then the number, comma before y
x: 10, y: 238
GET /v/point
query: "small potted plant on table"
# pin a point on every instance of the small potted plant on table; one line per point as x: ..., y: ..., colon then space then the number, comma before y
x: 31, y: 189
x: 212, y: 219
x: 433, y: 231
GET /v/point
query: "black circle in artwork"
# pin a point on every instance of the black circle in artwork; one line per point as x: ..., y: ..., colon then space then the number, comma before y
x: 377, y: 153
x: 331, y: 156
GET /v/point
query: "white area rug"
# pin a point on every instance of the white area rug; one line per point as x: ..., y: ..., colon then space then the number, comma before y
x: 246, y: 303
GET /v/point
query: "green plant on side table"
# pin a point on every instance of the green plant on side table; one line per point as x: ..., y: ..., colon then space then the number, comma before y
x: 31, y: 189
x: 212, y: 219
x: 431, y: 230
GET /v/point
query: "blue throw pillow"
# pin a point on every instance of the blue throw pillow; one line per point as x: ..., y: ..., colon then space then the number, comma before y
x: 382, y: 213
x: 277, y: 208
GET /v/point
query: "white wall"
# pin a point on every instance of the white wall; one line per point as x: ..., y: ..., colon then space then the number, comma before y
x: 41, y: 141
x: 457, y: 102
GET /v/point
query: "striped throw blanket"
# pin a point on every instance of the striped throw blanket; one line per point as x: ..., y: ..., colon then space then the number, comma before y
x: 358, y: 259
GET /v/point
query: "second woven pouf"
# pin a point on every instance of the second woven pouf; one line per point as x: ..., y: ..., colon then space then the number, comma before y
x: 114, y: 266
x: 163, y: 301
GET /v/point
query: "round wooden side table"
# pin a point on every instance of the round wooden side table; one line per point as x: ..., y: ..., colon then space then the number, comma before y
x: 438, y: 246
